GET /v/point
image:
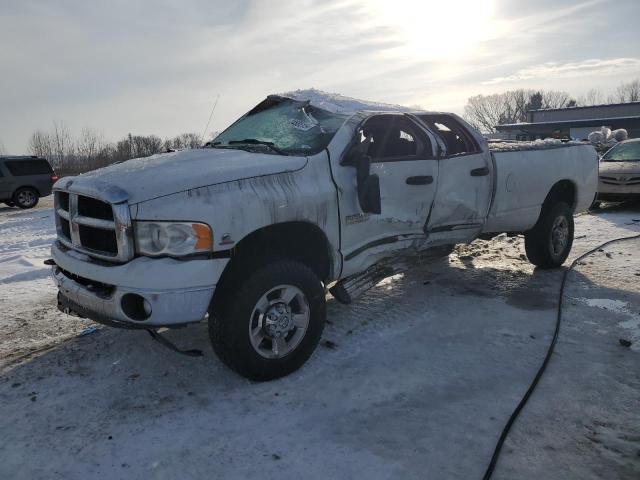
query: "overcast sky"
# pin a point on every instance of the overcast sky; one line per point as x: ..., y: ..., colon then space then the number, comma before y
x: 156, y: 66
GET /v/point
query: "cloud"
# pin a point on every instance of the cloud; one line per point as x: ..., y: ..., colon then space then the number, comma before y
x: 591, y: 67
x: 155, y: 66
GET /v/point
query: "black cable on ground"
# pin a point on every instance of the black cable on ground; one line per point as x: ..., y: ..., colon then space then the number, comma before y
x: 536, y: 379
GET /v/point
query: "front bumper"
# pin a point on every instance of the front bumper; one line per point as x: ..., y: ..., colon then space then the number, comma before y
x: 618, y: 192
x: 176, y: 291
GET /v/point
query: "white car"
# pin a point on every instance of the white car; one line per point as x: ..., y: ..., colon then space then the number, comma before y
x: 620, y: 172
x: 303, y: 194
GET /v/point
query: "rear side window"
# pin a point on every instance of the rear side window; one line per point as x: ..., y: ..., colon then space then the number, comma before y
x: 21, y: 168
x: 457, y: 139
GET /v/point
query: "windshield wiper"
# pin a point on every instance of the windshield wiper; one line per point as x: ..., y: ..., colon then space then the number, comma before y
x: 255, y: 141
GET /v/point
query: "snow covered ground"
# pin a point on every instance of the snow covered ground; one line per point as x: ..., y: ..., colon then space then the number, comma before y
x: 415, y: 380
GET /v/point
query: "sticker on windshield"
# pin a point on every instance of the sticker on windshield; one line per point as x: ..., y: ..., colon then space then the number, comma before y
x: 301, y: 125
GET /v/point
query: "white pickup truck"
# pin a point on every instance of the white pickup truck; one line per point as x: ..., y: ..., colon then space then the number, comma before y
x: 303, y: 194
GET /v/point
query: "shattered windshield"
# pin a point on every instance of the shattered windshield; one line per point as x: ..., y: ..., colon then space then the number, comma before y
x: 623, y: 152
x: 282, y: 126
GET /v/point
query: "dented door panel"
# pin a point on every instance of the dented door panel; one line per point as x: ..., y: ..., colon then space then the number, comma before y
x: 462, y: 200
x: 407, y: 190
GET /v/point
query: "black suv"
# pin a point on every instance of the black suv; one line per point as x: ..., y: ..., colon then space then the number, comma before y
x: 23, y: 180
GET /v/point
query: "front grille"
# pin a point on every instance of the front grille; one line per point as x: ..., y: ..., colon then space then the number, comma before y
x: 94, y: 227
x: 98, y: 240
x: 63, y: 200
x: 90, y: 207
x: 620, y: 180
x: 64, y: 226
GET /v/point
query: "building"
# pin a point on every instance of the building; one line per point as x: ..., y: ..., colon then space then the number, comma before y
x: 574, y: 122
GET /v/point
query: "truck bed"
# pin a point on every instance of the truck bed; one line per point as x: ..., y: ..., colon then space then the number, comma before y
x: 525, y: 172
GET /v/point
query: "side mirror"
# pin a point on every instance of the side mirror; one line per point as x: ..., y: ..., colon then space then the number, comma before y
x: 363, y: 167
x: 356, y: 151
x: 369, y: 194
x: 368, y: 185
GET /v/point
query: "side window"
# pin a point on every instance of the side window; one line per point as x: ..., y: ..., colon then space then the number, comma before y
x: 21, y: 168
x: 395, y: 138
x: 456, y: 138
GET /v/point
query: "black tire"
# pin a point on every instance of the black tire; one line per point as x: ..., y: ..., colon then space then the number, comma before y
x: 229, y: 322
x: 26, y: 197
x: 542, y: 243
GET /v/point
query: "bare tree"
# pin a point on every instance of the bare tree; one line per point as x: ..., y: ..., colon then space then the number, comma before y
x: 40, y: 144
x: 3, y: 151
x: 555, y: 99
x: 89, y: 145
x: 486, y: 111
x: 144, y: 146
x: 61, y: 144
x: 593, y: 96
x: 184, y: 140
x: 71, y: 155
x: 627, y: 92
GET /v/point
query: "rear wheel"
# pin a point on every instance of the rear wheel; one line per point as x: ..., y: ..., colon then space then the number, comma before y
x: 549, y: 242
x: 25, y: 197
x: 270, y: 325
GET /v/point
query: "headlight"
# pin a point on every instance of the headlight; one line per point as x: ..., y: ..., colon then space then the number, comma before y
x: 173, y: 239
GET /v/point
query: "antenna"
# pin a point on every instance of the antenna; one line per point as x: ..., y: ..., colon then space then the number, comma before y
x: 210, y: 116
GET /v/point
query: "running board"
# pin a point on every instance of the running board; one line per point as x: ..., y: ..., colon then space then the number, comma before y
x: 350, y: 288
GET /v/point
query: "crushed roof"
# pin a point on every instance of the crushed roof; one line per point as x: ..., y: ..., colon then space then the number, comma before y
x: 337, y: 103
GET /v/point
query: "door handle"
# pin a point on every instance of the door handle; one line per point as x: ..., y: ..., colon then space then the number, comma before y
x: 420, y: 180
x: 480, y: 172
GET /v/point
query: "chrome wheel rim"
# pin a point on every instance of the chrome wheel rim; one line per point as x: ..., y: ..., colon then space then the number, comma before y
x: 26, y: 198
x: 559, y: 235
x: 279, y: 321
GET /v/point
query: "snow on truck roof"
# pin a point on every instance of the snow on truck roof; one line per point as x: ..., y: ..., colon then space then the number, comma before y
x: 337, y: 103
x: 519, y: 145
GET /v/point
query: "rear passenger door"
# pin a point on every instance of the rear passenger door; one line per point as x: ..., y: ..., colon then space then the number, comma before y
x: 465, y: 181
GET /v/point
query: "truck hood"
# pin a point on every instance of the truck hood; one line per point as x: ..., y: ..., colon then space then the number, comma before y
x: 619, y: 167
x: 143, y: 179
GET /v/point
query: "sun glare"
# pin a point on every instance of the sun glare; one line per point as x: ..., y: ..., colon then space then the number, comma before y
x: 438, y: 30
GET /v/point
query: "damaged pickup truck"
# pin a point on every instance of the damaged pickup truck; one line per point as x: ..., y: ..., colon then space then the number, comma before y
x: 304, y: 193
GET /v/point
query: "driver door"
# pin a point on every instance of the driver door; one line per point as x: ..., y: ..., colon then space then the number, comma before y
x: 402, y: 155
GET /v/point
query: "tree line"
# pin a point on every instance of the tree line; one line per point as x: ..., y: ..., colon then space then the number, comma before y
x: 72, y: 154
x: 486, y: 111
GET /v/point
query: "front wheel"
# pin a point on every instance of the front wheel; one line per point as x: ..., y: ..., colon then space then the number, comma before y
x: 25, y: 197
x: 271, y: 324
x: 549, y: 242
